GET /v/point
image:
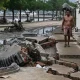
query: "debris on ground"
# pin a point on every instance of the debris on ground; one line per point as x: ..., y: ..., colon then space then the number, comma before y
x: 37, y: 57
x: 10, y: 69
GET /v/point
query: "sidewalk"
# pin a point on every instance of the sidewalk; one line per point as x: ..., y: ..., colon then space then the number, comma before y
x: 71, y: 53
x: 42, y: 24
x: 36, y: 24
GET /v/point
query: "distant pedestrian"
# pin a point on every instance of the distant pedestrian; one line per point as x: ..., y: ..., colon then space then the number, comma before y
x: 67, y: 25
x: 4, y: 44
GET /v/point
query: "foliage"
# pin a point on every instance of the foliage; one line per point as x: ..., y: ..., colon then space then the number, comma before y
x: 39, y: 5
x: 72, y: 4
x: 17, y: 4
x: 34, y: 4
x: 31, y: 5
x: 4, y: 4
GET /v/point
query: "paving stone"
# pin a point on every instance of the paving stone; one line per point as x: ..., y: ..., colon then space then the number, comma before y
x: 62, y: 69
x: 76, y: 76
x: 38, y: 38
x: 10, y: 69
x: 9, y: 51
x: 29, y: 72
x: 60, y: 38
x: 66, y: 63
x: 41, y: 24
x: 68, y: 52
x: 72, y: 60
x: 32, y: 73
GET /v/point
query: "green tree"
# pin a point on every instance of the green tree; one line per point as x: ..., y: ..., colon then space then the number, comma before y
x: 20, y: 5
x: 57, y: 4
x: 52, y: 4
x: 12, y: 7
x: 31, y: 5
x: 17, y: 5
x: 39, y: 5
x: 4, y: 6
x: 73, y: 4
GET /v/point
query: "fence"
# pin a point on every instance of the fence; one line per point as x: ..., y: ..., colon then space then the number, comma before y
x: 47, y: 15
x: 39, y: 15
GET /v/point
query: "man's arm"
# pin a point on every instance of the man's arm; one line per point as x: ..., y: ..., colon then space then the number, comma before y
x: 63, y: 23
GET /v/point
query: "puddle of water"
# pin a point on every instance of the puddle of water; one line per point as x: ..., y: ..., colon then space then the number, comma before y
x: 45, y: 31
x: 1, y: 41
x: 38, y: 31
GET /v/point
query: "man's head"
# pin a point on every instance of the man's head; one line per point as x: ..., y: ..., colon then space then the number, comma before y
x: 68, y: 12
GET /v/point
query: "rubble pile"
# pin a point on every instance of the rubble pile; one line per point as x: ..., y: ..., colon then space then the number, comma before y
x: 17, y: 26
x: 35, y: 54
x: 33, y: 73
x: 19, y: 49
x: 3, y: 20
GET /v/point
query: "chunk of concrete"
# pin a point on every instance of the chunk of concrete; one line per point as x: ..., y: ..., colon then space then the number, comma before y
x: 32, y: 73
x: 75, y: 76
x: 62, y: 69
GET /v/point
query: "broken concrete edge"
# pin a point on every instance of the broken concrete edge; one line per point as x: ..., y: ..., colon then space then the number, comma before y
x: 13, y: 68
x: 10, y: 72
x: 50, y: 63
x: 68, y: 64
x: 70, y: 56
x: 74, y: 78
x: 76, y: 40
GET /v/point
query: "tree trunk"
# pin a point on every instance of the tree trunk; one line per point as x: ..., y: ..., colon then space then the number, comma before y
x: 20, y: 15
x: 33, y: 15
x: 52, y: 14
x: 38, y: 15
x: 4, y: 17
x: 56, y: 15
x: 13, y: 16
x: 4, y: 14
x: 43, y: 15
x: 26, y: 15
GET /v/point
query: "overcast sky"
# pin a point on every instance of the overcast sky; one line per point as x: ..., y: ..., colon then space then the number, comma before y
x: 73, y: 0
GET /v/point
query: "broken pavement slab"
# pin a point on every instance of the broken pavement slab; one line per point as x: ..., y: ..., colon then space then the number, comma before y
x: 42, y: 24
x: 32, y: 73
x: 61, y: 69
x: 39, y: 75
x: 10, y: 69
x: 68, y: 52
x: 75, y: 76
x: 9, y: 50
x: 38, y: 38
x: 60, y: 38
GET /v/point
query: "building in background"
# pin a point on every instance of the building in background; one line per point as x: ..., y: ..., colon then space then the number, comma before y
x: 78, y: 14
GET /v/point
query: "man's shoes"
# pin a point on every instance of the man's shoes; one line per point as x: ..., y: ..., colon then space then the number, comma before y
x: 68, y: 45
x: 65, y: 45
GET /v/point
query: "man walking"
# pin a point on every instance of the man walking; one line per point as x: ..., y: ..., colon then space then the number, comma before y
x: 67, y: 25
